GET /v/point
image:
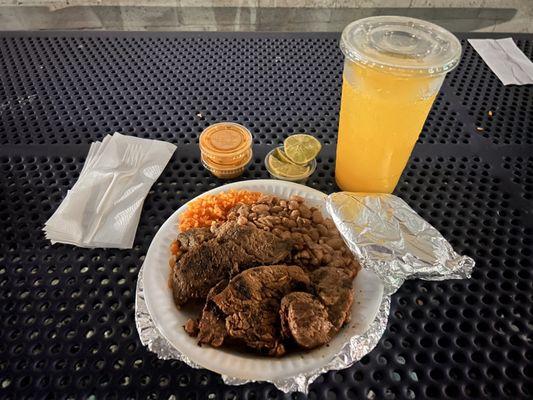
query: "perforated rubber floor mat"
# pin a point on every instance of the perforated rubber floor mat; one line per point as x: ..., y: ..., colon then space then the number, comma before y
x: 67, y: 325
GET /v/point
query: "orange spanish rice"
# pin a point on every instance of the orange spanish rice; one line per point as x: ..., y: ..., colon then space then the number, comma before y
x: 213, y: 208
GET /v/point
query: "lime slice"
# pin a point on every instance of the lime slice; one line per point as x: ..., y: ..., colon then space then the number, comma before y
x: 288, y: 170
x: 280, y: 155
x: 301, y: 149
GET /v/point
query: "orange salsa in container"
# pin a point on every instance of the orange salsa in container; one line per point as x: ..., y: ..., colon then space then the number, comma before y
x: 226, y: 149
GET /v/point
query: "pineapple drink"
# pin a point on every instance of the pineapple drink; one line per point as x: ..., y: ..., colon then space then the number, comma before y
x: 393, y: 71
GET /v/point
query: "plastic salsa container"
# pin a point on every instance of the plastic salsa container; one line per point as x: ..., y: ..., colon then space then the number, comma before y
x: 226, y: 149
x: 225, y: 171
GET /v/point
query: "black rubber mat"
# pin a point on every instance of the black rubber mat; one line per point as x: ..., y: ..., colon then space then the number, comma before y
x: 67, y: 314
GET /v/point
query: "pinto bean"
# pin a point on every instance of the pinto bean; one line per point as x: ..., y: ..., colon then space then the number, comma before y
x: 303, y: 222
x: 289, y: 223
x: 347, y: 260
x: 295, y: 214
x: 328, y: 248
x: 293, y: 205
x: 307, y: 239
x: 276, y: 231
x: 322, y: 229
x: 336, y: 263
x: 318, y: 253
x: 243, y: 210
x: 317, y: 217
x: 260, y: 208
x: 276, y: 209
x: 274, y: 220
x: 297, y: 198
x: 330, y: 224
x: 284, y: 213
x: 265, y: 221
x: 305, y: 212
x: 266, y: 199
x: 335, y: 243
x: 314, y: 234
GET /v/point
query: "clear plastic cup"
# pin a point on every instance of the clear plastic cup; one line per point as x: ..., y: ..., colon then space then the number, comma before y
x: 394, y: 68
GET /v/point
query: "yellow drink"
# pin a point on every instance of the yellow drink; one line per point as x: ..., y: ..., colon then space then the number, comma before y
x: 381, y: 117
x: 393, y: 70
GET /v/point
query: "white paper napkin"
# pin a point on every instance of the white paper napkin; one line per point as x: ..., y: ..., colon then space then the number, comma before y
x: 505, y: 59
x: 104, y: 206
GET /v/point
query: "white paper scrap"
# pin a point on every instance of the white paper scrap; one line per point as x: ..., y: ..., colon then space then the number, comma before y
x: 505, y: 59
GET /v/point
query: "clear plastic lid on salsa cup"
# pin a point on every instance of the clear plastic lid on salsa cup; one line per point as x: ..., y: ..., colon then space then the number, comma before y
x: 225, y: 143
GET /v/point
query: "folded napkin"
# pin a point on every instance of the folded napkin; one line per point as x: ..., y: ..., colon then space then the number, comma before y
x: 104, y: 206
x: 505, y: 59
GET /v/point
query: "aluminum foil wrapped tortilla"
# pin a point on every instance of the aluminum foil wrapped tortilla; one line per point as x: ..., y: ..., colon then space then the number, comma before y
x: 391, y: 239
x: 388, y: 238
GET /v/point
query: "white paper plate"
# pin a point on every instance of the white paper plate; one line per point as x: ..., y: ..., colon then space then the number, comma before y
x: 169, y: 320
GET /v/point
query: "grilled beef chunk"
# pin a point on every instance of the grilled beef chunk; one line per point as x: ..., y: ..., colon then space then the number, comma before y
x: 193, y: 237
x: 305, y: 319
x: 212, y: 327
x: 255, y: 246
x: 191, y: 327
x: 249, y: 308
x: 334, y: 288
x: 233, y: 249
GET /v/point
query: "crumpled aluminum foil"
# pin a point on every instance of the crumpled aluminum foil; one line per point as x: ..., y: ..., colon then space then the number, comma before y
x: 387, y: 237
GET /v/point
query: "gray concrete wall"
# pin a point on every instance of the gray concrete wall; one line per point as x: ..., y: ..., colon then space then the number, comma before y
x: 259, y: 15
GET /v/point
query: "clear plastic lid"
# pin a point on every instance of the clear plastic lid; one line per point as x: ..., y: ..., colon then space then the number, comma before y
x: 225, y: 140
x: 401, y: 45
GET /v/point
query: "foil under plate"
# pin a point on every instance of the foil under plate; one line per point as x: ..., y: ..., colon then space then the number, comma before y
x: 387, y: 237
